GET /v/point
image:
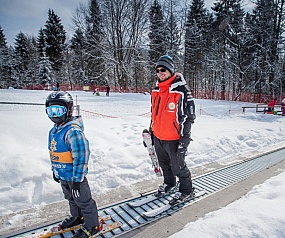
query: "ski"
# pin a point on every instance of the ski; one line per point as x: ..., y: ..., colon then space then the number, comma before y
x: 152, y: 197
x: 166, y: 207
x: 108, y: 227
x: 57, y: 230
x: 142, y: 201
x: 105, y: 229
x: 147, y: 141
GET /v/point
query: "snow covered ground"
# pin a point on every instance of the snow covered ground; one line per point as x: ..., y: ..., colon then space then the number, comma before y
x: 258, y: 214
x: 221, y: 134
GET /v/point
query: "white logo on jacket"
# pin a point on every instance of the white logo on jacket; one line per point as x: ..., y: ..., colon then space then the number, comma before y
x: 171, y: 106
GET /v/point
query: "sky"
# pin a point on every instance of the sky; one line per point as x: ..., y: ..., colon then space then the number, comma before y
x: 113, y: 126
x: 29, y: 16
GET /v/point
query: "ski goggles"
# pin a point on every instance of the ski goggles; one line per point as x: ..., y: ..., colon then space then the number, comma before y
x: 56, y: 111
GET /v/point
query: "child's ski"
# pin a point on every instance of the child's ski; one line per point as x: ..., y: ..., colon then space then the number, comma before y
x: 56, y: 230
x: 108, y: 227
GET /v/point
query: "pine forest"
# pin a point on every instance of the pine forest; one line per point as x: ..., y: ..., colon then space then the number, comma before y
x: 225, y: 53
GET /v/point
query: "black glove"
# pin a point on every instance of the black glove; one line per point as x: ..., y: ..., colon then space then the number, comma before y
x: 184, y: 141
x: 181, y: 151
x: 55, y: 178
x: 75, y: 189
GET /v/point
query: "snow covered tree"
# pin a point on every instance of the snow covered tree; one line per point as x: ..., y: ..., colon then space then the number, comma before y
x: 41, y: 43
x: 94, y: 36
x: 157, y: 35
x: 237, y: 48
x: 196, y: 44
x: 112, y: 47
x: 78, y: 61
x: 25, y: 60
x: 3, y: 42
x: 23, y: 57
x: 157, y: 39
x: 31, y: 75
x: 55, y: 37
x: 227, y: 25
x: 124, y: 29
x: 173, y: 15
x: 45, y: 72
x: 5, y: 67
x: 267, y: 26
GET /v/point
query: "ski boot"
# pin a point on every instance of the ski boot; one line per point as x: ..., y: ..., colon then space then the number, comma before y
x: 71, y: 221
x: 163, y: 189
x: 180, y: 197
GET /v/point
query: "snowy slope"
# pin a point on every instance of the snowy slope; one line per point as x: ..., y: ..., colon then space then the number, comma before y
x: 222, y: 136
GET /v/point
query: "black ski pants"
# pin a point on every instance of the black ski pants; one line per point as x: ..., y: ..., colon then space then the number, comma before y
x: 84, y: 205
x: 172, y: 166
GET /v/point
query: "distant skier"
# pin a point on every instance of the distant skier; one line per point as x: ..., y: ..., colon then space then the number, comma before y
x: 57, y: 86
x: 69, y: 155
x: 270, y: 106
x: 96, y: 92
x: 107, y: 90
x: 173, y: 113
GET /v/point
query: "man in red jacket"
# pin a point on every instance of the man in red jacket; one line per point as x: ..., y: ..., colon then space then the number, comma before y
x: 173, y: 113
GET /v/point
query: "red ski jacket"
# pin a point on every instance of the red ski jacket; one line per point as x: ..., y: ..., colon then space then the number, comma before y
x: 173, y: 110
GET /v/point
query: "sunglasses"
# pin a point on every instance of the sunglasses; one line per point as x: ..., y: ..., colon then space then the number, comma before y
x: 56, y: 111
x: 161, y: 70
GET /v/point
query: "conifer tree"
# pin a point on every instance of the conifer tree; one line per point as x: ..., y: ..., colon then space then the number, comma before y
x: 157, y: 38
x: 41, y: 43
x: 31, y: 75
x: 227, y: 25
x: 55, y: 37
x: 3, y: 42
x: 173, y: 12
x: 197, y: 28
x: 5, y: 70
x: 265, y: 22
x: 22, y: 54
x: 78, y: 45
x: 94, y: 36
x: 45, y: 72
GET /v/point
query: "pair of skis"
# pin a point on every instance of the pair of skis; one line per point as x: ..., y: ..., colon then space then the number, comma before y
x: 103, y: 228
x: 147, y: 140
x: 165, y: 207
x: 168, y: 206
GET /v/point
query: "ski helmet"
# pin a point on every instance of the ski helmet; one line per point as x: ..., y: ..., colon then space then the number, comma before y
x: 60, y: 98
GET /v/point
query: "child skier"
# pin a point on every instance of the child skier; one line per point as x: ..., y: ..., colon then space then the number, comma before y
x: 69, y: 155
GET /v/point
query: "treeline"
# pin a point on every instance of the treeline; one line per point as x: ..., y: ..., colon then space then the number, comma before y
x: 117, y: 42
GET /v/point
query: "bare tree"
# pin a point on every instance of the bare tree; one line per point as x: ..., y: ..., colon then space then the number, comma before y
x: 124, y: 28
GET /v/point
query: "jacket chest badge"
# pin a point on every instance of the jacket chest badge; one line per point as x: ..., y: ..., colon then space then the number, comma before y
x: 171, y: 106
x: 53, y: 145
